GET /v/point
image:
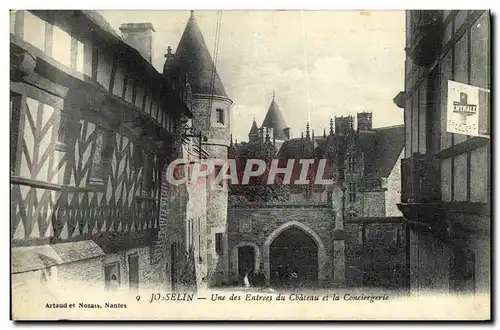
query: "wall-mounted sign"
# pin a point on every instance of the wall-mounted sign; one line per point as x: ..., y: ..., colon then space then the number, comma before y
x: 468, y: 110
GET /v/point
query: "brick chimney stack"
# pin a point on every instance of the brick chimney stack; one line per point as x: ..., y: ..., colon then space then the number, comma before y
x: 139, y: 36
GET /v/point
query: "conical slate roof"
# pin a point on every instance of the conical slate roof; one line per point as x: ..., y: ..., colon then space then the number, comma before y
x: 254, y: 130
x: 192, y: 57
x: 274, y: 119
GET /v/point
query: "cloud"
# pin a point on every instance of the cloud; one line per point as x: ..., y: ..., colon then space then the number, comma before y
x: 355, y: 61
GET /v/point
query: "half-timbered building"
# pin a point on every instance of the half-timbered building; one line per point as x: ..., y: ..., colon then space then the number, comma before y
x: 92, y: 126
x: 445, y: 192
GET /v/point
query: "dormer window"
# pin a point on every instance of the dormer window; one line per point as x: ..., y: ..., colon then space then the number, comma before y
x: 63, y: 132
x: 219, y: 116
x: 103, y: 150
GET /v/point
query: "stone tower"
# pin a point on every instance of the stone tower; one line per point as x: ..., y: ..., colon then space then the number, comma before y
x: 211, y: 109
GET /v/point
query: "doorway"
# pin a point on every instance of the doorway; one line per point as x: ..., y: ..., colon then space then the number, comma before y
x: 246, y: 261
x: 133, y: 272
x: 293, y: 259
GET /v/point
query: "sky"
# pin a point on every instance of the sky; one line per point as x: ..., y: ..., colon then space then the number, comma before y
x: 321, y: 64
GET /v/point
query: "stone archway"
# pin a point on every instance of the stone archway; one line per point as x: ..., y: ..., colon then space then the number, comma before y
x: 235, y: 256
x: 305, y: 234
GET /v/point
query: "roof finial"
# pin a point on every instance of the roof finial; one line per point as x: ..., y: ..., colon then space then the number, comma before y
x: 331, y: 126
x: 324, y: 132
x: 169, y: 53
x: 313, y: 134
x: 274, y: 94
x: 192, y: 13
x: 307, y: 131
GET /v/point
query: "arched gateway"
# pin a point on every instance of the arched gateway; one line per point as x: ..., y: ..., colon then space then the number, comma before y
x: 294, y: 247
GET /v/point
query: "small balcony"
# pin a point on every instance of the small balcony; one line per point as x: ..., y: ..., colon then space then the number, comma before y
x: 426, y: 31
x: 420, y: 179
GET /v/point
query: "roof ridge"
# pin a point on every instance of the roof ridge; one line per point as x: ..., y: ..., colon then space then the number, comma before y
x: 387, y: 127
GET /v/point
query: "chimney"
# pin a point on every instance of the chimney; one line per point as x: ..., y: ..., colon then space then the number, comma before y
x: 139, y: 36
x: 287, y: 132
x: 342, y: 125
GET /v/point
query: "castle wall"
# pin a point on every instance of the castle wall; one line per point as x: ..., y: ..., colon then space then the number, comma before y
x: 373, y: 204
x: 375, y: 256
x: 255, y: 223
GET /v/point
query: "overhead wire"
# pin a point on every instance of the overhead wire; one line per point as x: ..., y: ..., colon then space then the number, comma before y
x: 306, y: 71
x: 214, y: 68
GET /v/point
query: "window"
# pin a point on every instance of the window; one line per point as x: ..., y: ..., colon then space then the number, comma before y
x: 164, y: 120
x: 154, y: 111
x: 220, y: 116
x: 190, y: 172
x: 216, y: 174
x: 398, y: 238
x: 190, y: 234
x: 139, y: 96
x: 199, y: 241
x: 63, y: 132
x: 191, y: 244
x: 137, y: 158
x: 218, y: 243
x: 129, y: 89
x: 104, y: 61
x: 150, y: 174
x: 341, y: 173
x: 96, y: 175
x: 480, y: 52
x: 61, y: 49
x: 352, y: 192
x: 13, y: 21
x: 80, y: 61
x: 112, y: 276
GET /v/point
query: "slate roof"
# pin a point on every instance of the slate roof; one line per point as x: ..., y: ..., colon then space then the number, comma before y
x: 381, y: 148
x: 297, y: 148
x: 274, y: 119
x: 192, y: 57
x: 389, y: 144
x: 97, y: 23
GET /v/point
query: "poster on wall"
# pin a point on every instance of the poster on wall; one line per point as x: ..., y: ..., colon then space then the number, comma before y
x: 468, y: 109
